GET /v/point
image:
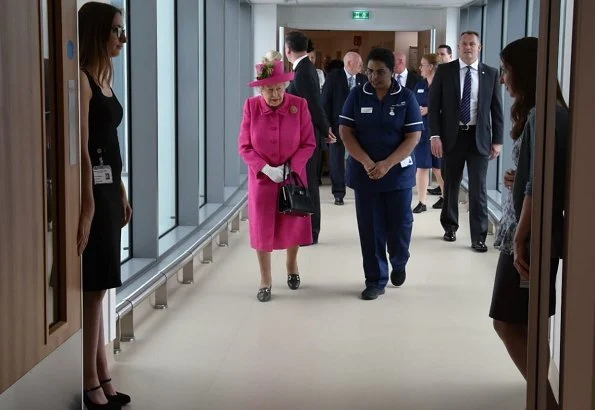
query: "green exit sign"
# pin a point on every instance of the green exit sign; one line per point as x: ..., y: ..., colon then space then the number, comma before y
x: 360, y: 15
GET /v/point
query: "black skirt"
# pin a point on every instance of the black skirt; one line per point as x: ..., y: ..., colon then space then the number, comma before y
x: 510, y: 302
x: 101, y: 258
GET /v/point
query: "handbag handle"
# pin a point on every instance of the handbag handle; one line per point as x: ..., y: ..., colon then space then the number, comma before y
x: 293, y: 177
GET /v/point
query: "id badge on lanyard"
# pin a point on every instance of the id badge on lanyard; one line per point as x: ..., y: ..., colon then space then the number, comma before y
x: 102, y: 174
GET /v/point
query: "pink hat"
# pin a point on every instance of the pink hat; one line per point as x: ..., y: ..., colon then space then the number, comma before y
x: 270, y: 73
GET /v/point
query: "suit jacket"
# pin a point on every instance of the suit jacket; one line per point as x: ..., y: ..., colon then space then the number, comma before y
x: 305, y: 84
x: 445, y: 107
x: 334, y: 94
x: 412, y: 80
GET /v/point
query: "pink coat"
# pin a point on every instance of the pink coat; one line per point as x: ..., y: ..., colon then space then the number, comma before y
x: 275, y: 137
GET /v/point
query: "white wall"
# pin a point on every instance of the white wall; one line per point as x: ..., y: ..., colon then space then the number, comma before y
x: 381, y: 19
x: 264, y: 26
x: 452, y: 16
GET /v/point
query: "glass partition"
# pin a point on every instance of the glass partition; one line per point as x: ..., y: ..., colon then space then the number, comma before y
x: 166, y: 69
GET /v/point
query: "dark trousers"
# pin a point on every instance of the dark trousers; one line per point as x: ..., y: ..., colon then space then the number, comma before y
x: 385, y: 222
x: 312, y: 172
x: 337, y: 168
x: 465, y: 151
x: 320, y: 166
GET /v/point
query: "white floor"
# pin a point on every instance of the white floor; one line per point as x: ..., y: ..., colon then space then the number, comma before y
x: 427, y: 346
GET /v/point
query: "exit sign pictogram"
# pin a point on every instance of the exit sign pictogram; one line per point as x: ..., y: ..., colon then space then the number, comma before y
x: 360, y: 15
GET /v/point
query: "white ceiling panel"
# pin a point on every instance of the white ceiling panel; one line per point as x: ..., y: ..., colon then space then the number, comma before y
x: 367, y: 3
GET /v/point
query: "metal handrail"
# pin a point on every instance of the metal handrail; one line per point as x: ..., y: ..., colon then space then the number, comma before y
x: 201, y: 240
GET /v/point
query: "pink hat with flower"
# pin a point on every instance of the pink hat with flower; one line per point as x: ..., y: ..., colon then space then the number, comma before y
x: 270, y: 73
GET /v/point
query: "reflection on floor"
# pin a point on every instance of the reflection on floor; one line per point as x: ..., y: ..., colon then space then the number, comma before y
x: 427, y: 346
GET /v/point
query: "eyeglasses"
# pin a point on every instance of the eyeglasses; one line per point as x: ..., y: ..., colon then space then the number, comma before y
x: 379, y: 73
x: 503, y: 71
x: 119, y: 31
x: 425, y: 65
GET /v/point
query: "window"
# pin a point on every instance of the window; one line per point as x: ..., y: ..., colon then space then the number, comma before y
x: 166, y: 74
x: 202, y: 158
x: 121, y: 90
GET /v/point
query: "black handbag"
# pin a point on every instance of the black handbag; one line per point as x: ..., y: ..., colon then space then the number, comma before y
x: 294, y: 197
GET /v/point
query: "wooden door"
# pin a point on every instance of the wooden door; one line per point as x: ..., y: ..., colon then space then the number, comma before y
x: 40, y: 285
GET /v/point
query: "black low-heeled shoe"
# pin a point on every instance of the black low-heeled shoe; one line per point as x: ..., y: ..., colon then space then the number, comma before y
x: 264, y: 294
x: 91, y: 405
x: 120, y: 398
x: 293, y: 281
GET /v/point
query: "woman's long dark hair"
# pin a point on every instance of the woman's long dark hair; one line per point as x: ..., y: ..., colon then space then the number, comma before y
x: 520, y: 60
x: 95, y: 29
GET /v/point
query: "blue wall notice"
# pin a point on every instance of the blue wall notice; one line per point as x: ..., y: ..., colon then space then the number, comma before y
x: 70, y: 49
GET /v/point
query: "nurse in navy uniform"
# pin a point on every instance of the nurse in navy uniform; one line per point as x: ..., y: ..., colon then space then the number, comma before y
x: 423, y: 152
x: 380, y: 126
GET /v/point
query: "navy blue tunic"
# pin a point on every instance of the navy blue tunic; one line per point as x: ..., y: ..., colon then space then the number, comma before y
x: 383, y: 207
x: 380, y: 127
x: 423, y: 150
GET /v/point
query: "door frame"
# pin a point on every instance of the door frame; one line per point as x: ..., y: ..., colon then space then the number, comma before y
x: 67, y: 134
x: 577, y: 376
x: 577, y: 370
x: 538, y: 349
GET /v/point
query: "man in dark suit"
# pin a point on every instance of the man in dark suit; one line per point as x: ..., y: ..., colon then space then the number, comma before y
x: 444, y: 53
x: 402, y: 75
x: 305, y: 84
x: 336, y: 88
x: 466, y: 126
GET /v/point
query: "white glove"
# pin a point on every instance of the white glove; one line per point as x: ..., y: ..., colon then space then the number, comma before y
x: 274, y: 173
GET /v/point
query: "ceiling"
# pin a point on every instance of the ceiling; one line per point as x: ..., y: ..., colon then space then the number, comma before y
x: 367, y: 3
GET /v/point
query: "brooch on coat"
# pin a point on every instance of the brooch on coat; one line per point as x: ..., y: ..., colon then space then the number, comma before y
x: 293, y: 109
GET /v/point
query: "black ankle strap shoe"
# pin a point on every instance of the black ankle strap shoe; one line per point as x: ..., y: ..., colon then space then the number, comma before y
x: 90, y: 405
x: 120, y: 398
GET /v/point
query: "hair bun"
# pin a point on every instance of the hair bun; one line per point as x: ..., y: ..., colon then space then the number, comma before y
x: 271, y: 56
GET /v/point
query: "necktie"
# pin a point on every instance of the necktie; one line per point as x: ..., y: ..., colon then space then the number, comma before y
x: 400, y: 80
x: 351, y: 82
x: 466, y: 100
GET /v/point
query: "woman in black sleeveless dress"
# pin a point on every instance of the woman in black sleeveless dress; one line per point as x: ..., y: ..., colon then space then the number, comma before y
x: 105, y: 207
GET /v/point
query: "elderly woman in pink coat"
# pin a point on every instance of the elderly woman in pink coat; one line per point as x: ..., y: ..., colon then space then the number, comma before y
x: 276, y: 130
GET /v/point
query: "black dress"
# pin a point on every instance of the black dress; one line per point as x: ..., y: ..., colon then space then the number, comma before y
x: 101, y: 258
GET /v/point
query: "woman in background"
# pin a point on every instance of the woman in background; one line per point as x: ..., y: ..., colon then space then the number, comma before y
x: 423, y: 151
x: 105, y: 207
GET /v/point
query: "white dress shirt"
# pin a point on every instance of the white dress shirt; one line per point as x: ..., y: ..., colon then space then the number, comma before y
x: 349, y: 76
x: 403, y: 75
x: 320, y: 77
x: 474, y: 87
x: 296, y: 62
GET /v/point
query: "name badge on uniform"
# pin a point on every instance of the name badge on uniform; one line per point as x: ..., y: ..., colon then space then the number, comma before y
x: 407, y: 162
x: 421, y: 91
x: 366, y: 110
x: 102, y: 174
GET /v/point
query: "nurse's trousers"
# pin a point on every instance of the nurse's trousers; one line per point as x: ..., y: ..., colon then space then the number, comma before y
x: 385, y: 222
